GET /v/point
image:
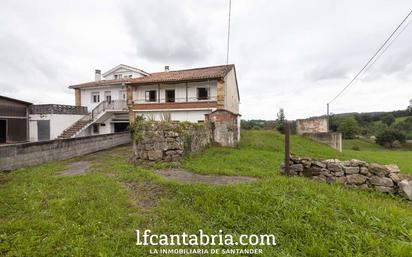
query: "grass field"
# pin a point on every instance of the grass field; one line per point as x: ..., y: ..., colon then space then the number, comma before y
x: 96, y: 214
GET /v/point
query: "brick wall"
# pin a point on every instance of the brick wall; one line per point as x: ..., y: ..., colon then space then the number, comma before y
x: 28, y: 154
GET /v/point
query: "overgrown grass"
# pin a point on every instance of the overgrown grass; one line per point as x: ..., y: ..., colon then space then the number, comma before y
x: 95, y: 214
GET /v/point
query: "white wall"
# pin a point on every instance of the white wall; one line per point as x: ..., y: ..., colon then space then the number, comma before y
x: 58, y: 123
x: 180, y: 91
x: 180, y: 115
x: 231, y: 93
x: 118, y: 92
x: 124, y: 72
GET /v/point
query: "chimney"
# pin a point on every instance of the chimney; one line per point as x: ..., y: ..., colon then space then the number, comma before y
x: 167, y: 68
x: 97, y: 75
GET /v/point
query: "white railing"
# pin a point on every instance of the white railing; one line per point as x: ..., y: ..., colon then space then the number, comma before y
x: 115, y: 105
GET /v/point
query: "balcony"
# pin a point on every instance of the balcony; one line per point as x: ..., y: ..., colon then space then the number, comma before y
x: 176, y: 103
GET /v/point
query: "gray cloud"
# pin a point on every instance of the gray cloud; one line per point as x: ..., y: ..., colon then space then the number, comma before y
x: 288, y: 53
x: 164, y: 33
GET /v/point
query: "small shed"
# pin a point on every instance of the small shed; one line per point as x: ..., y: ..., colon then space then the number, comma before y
x: 14, y: 120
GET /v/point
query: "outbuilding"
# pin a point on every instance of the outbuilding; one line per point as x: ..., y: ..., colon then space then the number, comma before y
x: 14, y: 120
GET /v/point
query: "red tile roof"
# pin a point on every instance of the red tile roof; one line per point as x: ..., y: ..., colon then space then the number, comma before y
x: 205, y: 73
x: 213, y: 72
x: 100, y: 83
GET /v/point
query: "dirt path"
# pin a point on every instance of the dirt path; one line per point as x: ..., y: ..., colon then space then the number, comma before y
x: 189, y: 177
x: 76, y: 168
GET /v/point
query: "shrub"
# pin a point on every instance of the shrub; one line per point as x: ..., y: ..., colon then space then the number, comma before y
x: 348, y: 126
x: 356, y: 148
x: 391, y: 138
x: 388, y: 119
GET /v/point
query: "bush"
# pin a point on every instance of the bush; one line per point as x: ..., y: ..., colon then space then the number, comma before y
x: 388, y: 119
x: 348, y: 126
x: 356, y: 148
x: 391, y: 138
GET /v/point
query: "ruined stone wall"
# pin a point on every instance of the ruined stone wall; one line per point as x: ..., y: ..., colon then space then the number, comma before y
x: 169, y: 141
x: 312, y: 125
x: 226, y: 130
x: 354, y: 173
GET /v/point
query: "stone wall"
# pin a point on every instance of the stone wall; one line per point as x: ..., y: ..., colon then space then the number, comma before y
x: 27, y: 154
x: 312, y: 125
x: 169, y: 141
x: 333, y: 139
x: 226, y: 129
x: 354, y: 173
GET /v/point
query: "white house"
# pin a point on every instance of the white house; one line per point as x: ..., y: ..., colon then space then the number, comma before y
x: 184, y: 95
x: 105, y: 99
x: 181, y: 95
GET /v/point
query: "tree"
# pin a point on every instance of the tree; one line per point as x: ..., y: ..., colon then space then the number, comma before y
x: 388, y: 119
x: 389, y: 137
x: 280, y: 126
x: 348, y: 126
x: 409, y: 109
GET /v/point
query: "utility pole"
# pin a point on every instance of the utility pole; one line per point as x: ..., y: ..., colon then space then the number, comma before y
x: 228, y: 33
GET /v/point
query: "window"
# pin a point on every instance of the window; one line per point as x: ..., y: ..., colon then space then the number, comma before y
x: 115, y: 76
x: 95, y: 128
x: 95, y: 97
x: 202, y: 93
x: 108, y: 96
x: 130, y: 76
x: 170, y: 96
x: 150, y: 96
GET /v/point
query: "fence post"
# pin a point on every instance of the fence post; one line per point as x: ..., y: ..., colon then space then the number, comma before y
x: 287, y: 149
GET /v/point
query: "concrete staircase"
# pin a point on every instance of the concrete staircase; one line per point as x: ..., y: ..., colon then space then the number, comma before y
x: 97, y: 112
x: 73, y: 129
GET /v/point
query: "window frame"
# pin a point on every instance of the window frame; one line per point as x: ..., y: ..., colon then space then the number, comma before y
x: 202, y: 98
x: 106, y: 95
x: 147, y: 96
x: 97, y: 94
x: 166, y: 97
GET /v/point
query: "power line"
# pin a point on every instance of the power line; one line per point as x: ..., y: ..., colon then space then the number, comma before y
x: 228, y: 33
x: 386, y: 48
x: 370, y: 60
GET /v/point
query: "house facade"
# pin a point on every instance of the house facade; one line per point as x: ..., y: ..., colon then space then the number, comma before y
x: 184, y: 95
x: 115, y: 98
x: 106, y: 101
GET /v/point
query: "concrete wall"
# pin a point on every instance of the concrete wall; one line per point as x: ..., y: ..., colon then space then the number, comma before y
x: 58, y: 123
x: 28, y: 154
x: 312, y: 125
x: 332, y: 139
x: 176, y: 115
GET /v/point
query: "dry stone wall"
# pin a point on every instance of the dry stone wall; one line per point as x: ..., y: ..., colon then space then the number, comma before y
x: 353, y: 173
x: 169, y: 141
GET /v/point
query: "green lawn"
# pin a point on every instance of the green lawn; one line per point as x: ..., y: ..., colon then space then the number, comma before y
x: 96, y: 215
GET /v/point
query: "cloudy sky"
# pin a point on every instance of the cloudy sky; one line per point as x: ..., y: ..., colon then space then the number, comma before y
x: 292, y: 54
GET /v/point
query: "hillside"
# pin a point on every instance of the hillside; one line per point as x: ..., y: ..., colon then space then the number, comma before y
x: 96, y: 214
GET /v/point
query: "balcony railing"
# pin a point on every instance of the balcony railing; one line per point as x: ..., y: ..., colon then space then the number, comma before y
x: 176, y: 100
x: 114, y: 105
